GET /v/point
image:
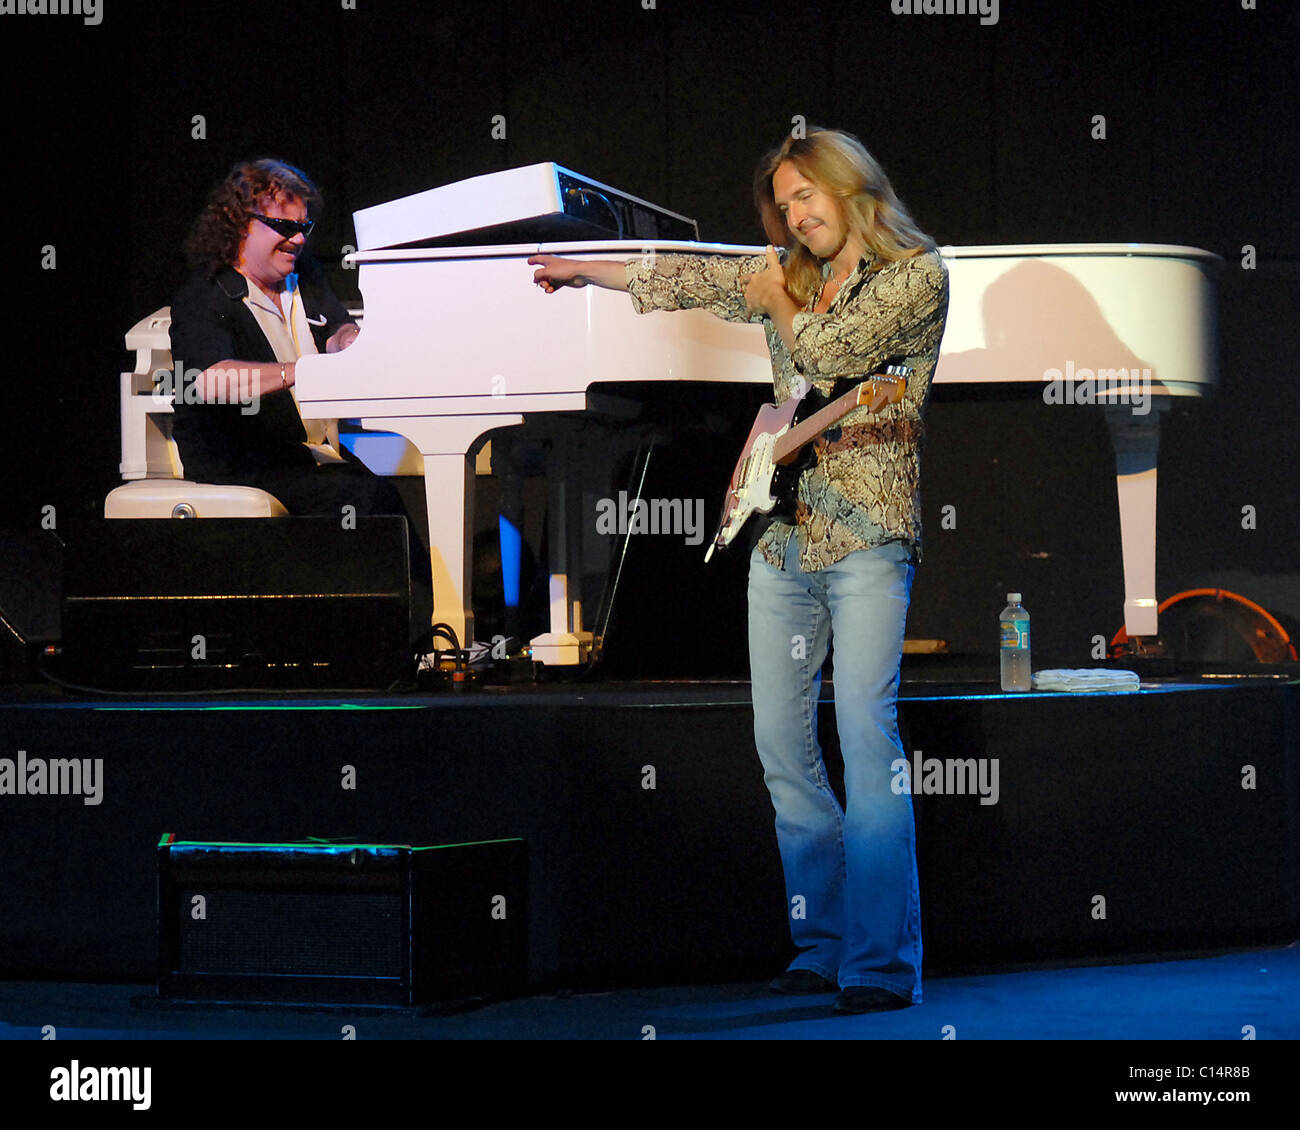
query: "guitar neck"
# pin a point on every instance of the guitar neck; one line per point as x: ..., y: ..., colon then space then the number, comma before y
x: 804, y: 432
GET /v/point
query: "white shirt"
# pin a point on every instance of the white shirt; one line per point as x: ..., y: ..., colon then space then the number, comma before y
x: 291, y: 339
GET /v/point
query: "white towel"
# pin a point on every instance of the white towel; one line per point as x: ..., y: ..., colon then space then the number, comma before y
x: 1086, y: 679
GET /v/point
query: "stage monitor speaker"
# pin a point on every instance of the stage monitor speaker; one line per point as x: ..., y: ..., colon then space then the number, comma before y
x: 226, y: 604
x: 330, y: 923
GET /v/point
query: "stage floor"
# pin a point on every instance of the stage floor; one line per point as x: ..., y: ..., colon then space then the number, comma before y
x: 919, y: 681
x: 1204, y: 997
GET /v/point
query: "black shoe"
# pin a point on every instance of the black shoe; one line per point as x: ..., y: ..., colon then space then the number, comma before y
x: 867, y: 998
x: 797, y: 981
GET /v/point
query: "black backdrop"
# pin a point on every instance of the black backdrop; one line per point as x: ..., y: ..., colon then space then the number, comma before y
x: 985, y: 129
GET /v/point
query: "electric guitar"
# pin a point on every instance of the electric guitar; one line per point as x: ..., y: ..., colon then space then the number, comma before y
x: 776, y: 453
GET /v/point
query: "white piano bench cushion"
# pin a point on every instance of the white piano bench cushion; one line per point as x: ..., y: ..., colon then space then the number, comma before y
x: 159, y: 498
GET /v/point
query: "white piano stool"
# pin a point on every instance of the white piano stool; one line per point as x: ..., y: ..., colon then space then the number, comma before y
x: 180, y: 498
x: 155, y: 485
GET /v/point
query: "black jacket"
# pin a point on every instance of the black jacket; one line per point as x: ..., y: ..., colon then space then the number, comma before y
x: 210, y: 323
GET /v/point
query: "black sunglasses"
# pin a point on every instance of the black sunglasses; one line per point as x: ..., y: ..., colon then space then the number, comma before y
x: 286, y: 228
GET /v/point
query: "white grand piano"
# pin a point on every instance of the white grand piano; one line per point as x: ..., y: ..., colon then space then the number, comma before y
x: 457, y: 341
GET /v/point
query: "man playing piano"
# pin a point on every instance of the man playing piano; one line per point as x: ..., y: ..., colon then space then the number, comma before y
x: 861, y: 284
x: 253, y: 306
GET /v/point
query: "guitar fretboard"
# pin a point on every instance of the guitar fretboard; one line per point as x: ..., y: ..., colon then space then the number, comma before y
x: 877, y: 392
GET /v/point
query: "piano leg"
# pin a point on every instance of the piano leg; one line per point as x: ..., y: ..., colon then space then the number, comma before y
x: 449, y: 496
x: 1137, y: 441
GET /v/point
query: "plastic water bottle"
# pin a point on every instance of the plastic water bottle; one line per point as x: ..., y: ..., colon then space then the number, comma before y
x: 1016, y: 673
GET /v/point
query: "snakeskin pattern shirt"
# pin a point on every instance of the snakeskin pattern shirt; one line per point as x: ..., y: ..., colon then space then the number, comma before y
x: 865, y: 488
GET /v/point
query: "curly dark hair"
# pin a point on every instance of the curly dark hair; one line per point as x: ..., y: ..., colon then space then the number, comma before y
x: 213, y: 241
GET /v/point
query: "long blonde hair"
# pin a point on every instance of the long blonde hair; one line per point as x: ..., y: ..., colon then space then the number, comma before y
x: 839, y: 164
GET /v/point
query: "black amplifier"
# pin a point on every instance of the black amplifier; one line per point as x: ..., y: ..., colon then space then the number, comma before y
x: 216, y: 604
x: 329, y: 923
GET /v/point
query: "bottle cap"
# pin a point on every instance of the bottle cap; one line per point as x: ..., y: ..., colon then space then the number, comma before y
x: 1013, y: 598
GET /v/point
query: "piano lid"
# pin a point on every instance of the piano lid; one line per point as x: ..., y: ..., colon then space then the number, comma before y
x: 534, y: 203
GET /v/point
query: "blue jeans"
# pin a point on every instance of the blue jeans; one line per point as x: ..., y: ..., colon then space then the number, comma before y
x: 850, y: 873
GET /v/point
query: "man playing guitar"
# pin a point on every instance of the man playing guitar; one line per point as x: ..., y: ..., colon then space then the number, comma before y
x: 861, y: 285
